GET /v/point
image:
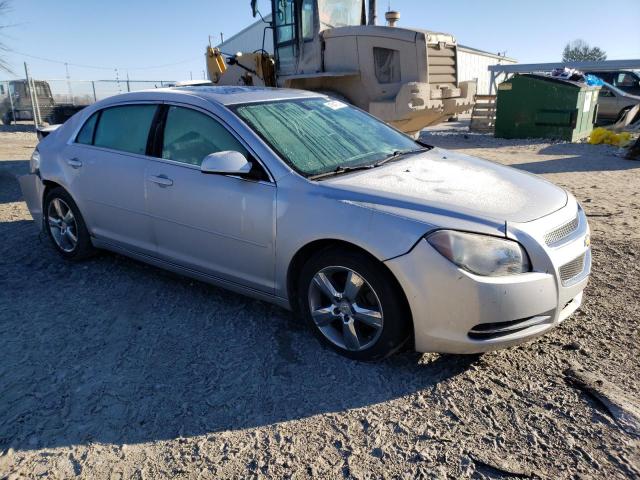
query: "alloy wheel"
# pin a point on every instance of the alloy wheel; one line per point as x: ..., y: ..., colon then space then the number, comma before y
x: 345, y: 308
x: 62, y: 225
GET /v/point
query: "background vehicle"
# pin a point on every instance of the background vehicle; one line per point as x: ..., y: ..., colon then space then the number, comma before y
x: 20, y: 95
x: 406, y: 77
x: 612, y: 102
x: 626, y: 80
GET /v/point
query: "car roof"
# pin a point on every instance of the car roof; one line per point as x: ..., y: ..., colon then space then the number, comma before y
x: 223, y: 95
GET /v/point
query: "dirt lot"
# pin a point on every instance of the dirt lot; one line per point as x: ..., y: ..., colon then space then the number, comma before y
x: 113, y: 369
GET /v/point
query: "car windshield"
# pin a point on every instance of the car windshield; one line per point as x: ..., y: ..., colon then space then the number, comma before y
x: 320, y: 135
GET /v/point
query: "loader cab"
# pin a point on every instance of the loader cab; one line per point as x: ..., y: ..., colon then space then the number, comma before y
x: 297, y: 30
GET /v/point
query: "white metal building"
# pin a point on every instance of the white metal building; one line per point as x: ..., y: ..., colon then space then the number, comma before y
x: 472, y: 63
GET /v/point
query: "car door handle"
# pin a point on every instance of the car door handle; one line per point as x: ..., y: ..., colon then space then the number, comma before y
x: 74, y: 163
x: 161, y: 180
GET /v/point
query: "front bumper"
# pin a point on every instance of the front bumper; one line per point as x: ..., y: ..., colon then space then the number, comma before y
x: 32, y: 191
x: 455, y: 311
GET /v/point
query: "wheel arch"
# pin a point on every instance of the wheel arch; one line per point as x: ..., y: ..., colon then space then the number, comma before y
x: 50, y: 185
x: 312, y: 248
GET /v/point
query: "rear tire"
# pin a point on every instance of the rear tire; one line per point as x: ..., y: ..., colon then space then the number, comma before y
x: 353, y: 304
x: 65, y: 226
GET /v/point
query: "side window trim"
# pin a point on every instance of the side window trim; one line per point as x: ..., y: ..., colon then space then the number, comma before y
x: 95, y: 127
x: 159, y: 138
x: 156, y: 132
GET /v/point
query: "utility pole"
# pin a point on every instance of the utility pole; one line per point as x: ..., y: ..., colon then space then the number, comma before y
x: 372, y: 12
x: 32, y: 96
x: 13, y: 110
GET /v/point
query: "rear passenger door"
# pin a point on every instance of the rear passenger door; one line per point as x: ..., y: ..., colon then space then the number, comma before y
x: 221, y: 225
x: 109, y: 156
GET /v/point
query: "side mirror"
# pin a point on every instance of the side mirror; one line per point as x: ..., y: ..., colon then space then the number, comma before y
x: 227, y: 162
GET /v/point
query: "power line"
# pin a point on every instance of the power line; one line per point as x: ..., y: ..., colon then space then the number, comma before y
x: 96, y: 67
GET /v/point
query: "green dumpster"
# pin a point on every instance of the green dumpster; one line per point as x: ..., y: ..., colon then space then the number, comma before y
x: 540, y: 106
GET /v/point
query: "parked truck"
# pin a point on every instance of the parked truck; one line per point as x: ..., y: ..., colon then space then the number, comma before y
x: 406, y: 77
x: 16, y: 104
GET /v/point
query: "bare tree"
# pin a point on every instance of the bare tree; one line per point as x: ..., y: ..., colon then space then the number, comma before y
x: 580, y: 51
x: 4, y: 8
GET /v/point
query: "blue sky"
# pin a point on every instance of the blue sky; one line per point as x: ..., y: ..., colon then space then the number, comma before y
x: 137, y: 35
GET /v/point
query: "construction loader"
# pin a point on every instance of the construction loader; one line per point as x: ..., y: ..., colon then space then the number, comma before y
x: 406, y: 77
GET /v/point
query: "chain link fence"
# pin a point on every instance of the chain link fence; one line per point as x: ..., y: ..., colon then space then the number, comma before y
x: 54, y: 100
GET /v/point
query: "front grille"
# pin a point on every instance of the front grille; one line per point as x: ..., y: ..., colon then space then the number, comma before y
x: 563, y: 231
x: 572, y: 269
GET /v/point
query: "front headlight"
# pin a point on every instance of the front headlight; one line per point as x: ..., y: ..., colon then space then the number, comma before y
x: 34, y: 163
x: 481, y: 254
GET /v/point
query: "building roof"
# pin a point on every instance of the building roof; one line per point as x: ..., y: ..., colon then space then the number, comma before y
x: 267, y: 20
x: 485, y: 53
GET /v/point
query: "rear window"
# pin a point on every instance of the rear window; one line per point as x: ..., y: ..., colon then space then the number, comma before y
x: 86, y: 132
x: 125, y: 128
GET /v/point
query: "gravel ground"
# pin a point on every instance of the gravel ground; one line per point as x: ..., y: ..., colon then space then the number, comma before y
x: 114, y: 369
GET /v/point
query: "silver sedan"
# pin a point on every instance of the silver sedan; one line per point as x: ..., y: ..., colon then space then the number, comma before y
x: 295, y: 198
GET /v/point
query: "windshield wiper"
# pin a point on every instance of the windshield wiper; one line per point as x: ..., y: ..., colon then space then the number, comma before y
x: 346, y: 169
x: 398, y: 154
x: 340, y: 169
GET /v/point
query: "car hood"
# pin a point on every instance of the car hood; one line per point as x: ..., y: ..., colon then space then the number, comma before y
x: 451, y: 183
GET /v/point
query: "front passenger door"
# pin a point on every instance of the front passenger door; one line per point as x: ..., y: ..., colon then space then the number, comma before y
x: 220, y: 225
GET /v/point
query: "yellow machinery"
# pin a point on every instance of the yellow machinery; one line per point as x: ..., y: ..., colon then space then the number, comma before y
x: 406, y: 77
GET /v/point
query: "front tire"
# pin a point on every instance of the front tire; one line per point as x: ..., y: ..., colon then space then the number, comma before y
x: 353, y: 304
x: 65, y: 226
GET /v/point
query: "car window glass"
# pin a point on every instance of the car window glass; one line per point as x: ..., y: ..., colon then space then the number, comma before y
x: 318, y: 135
x: 125, y: 128
x: 85, y: 136
x: 189, y: 136
x: 605, y: 92
x: 625, y: 80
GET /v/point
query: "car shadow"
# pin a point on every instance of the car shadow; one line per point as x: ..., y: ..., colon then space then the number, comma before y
x: 115, y: 351
x: 9, y: 187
